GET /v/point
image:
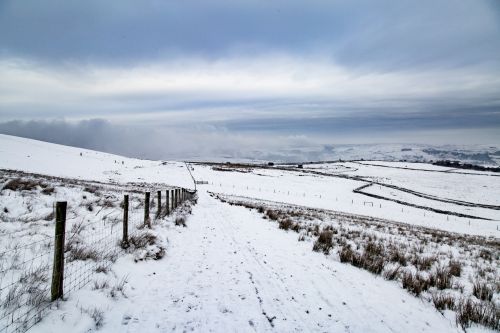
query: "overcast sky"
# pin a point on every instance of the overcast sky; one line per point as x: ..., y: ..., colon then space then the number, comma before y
x: 219, y: 77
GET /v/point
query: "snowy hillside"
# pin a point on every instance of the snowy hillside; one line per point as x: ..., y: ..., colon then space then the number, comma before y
x: 488, y: 155
x: 331, y: 247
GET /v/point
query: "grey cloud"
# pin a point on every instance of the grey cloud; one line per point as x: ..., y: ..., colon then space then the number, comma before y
x: 152, y: 142
x: 177, y: 79
x: 216, y: 143
x: 384, y: 34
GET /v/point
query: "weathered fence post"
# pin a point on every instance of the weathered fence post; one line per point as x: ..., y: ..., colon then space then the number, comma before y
x: 167, y: 205
x: 58, y: 266
x: 125, y: 222
x: 174, y: 198
x: 147, y: 220
x: 158, y: 212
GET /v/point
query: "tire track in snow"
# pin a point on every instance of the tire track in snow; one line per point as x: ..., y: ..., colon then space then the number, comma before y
x: 229, y: 270
x: 268, y: 275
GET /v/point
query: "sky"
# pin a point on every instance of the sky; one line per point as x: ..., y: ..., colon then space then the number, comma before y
x: 182, y: 79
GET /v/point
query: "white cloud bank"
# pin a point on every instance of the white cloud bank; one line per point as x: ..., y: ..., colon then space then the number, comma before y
x: 231, y: 88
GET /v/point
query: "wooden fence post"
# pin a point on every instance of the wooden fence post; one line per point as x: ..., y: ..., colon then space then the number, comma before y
x: 172, y: 200
x: 167, y: 202
x: 175, y: 198
x: 147, y: 220
x: 125, y: 222
x: 57, y: 289
x: 158, y: 212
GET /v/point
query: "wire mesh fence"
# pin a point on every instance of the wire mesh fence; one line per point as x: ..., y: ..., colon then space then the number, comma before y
x: 24, y: 282
x: 90, y: 249
x: 33, y: 274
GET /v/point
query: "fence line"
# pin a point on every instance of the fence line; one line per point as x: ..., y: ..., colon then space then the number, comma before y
x: 34, y: 275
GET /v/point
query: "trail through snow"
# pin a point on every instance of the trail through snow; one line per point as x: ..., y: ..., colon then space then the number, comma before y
x: 232, y: 271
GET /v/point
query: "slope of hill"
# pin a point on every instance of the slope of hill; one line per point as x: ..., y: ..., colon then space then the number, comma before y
x: 245, y: 261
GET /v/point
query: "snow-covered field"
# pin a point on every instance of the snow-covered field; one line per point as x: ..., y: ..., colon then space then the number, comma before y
x: 232, y: 270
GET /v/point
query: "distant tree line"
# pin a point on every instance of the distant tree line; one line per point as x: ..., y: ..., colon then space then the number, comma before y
x: 459, y: 165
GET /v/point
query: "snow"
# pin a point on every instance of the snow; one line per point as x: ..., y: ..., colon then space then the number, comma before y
x: 230, y: 267
x: 336, y: 193
x: 63, y: 161
x: 230, y: 270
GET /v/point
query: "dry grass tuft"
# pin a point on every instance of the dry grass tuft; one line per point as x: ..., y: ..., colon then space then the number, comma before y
x: 441, y: 278
x: 272, y: 214
x: 324, y: 243
x: 391, y: 273
x: 141, y: 240
x: 443, y: 301
x: 19, y: 184
x: 180, y: 221
x: 484, y: 313
x: 83, y: 253
x: 285, y: 224
x: 455, y: 268
x: 482, y: 291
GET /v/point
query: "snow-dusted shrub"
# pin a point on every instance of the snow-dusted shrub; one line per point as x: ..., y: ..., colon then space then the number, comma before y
x: 441, y: 278
x: 346, y: 254
x: 485, y: 254
x: 372, y: 258
x: 482, y: 290
x: 102, y: 269
x: 391, y: 273
x: 91, y: 189
x: 423, y: 263
x: 100, y: 284
x: 272, y: 214
x: 180, y: 221
x: 142, y: 239
x: 414, y: 283
x: 443, y: 301
x: 324, y: 243
x: 48, y: 190
x: 19, y: 184
x: 84, y: 253
x: 485, y: 313
x: 455, y: 268
x: 285, y: 224
x: 108, y: 203
x: 146, y: 245
x: 371, y: 261
x: 397, y: 254
x: 296, y: 227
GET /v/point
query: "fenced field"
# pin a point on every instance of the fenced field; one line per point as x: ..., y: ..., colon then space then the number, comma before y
x: 52, y: 247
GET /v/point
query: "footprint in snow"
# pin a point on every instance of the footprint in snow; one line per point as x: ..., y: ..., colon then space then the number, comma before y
x: 126, y: 318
